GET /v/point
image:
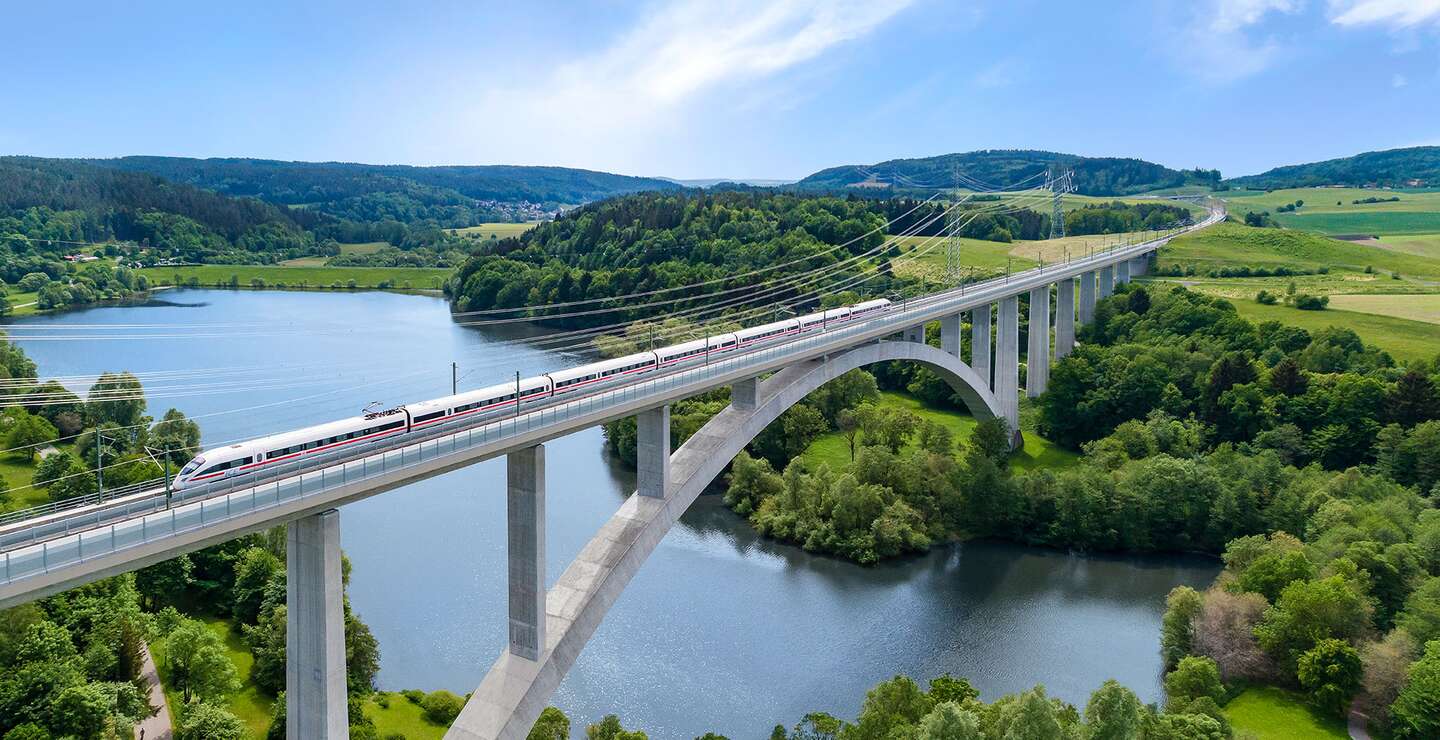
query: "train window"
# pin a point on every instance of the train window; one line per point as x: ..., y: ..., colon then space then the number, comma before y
x: 429, y: 416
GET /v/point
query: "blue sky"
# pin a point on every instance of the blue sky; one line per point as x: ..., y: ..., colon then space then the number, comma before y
x: 712, y: 88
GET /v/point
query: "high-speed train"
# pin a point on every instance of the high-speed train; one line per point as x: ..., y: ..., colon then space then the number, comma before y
x: 254, y: 456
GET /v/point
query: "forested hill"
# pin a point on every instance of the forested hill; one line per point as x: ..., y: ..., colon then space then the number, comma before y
x: 452, y: 196
x: 50, y: 207
x: 114, y: 199
x: 1417, y: 166
x: 1007, y: 168
x: 654, y: 241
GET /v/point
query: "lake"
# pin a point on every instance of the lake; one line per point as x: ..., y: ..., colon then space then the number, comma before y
x: 720, y: 631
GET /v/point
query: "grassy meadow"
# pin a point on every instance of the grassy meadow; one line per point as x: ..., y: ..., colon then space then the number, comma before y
x: 495, y: 230
x: 400, y: 715
x: 402, y: 278
x: 833, y: 449
x: 252, y: 707
x: 1269, y: 713
x: 1402, y: 338
x: 345, y: 248
x: 1334, y: 210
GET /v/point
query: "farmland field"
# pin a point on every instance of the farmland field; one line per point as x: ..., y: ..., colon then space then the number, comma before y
x: 1232, y: 245
x: 497, y: 230
x: 1425, y: 245
x: 1424, y: 308
x: 1405, y: 339
x: 1334, y: 210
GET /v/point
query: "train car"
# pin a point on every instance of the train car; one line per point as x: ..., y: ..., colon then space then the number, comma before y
x: 677, y: 353
x: 866, y: 308
x: 766, y: 332
x: 476, y: 403
x: 822, y: 319
x: 244, y: 458
x: 584, y: 376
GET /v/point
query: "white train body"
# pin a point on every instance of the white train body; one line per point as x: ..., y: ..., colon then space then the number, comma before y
x: 259, y: 455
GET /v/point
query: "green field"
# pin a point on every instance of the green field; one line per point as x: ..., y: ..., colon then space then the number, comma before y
x: 252, y: 707
x: 402, y: 716
x: 1404, y: 339
x: 351, y: 248
x: 1425, y: 245
x: 1424, y: 308
x: 1334, y: 211
x: 1269, y: 713
x: 496, y: 230
x: 403, y: 278
x: 1231, y: 244
x: 834, y: 450
x: 995, y: 257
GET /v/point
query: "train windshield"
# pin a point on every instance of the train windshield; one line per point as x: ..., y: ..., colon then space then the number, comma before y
x: 192, y: 466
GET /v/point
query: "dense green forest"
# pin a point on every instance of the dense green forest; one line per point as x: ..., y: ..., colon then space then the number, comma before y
x: 1388, y: 168
x: 662, y: 240
x: 452, y: 196
x: 1008, y: 168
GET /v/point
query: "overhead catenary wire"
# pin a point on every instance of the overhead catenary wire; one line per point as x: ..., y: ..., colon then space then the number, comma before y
x: 852, y: 281
x: 859, y: 278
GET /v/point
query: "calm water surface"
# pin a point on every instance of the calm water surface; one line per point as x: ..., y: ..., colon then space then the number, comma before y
x: 719, y: 631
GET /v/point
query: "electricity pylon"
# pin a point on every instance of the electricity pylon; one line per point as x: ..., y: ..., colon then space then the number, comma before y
x: 1059, y: 184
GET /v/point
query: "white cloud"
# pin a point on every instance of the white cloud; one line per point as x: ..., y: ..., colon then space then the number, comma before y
x: 1233, y: 15
x: 1398, y: 81
x: 642, y: 85
x: 1396, y: 14
x: 1217, y: 46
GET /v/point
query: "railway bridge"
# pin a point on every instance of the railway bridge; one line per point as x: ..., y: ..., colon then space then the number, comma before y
x: 547, y: 630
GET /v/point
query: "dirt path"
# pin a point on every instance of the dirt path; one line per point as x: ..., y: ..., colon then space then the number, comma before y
x: 156, y: 727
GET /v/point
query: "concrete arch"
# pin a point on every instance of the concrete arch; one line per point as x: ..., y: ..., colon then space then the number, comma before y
x: 515, y: 691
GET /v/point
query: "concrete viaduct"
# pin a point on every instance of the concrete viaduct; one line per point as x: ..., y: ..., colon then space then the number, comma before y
x: 547, y: 631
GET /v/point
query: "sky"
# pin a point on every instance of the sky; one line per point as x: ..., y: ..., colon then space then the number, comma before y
x: 721, y: 88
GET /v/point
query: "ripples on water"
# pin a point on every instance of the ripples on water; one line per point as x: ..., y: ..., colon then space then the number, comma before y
x: 719, y: 631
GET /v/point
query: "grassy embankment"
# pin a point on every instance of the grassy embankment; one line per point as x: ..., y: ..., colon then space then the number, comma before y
x: 254, y: 708
x: 1270, y: 713
x: 833, y: 449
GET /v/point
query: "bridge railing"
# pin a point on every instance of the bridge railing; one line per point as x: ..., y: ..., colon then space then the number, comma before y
x: 188, y: 514
x: 90, y: 499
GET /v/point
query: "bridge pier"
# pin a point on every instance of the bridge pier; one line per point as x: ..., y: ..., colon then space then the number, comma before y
x: 1087, y: 297
x: 1122, y: 271
x: 1007, y: 362
x: 525, y: 538
x: 950, y: 335
x: 1140, y: 266
x: 652, y: 452
x: 315, y: 699
x: 1037, y: 358
x: 915, y: 334
x: 1107, y: 281
x: 980, y: 343
x: 1064, y: 317
x: 745, y: 394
